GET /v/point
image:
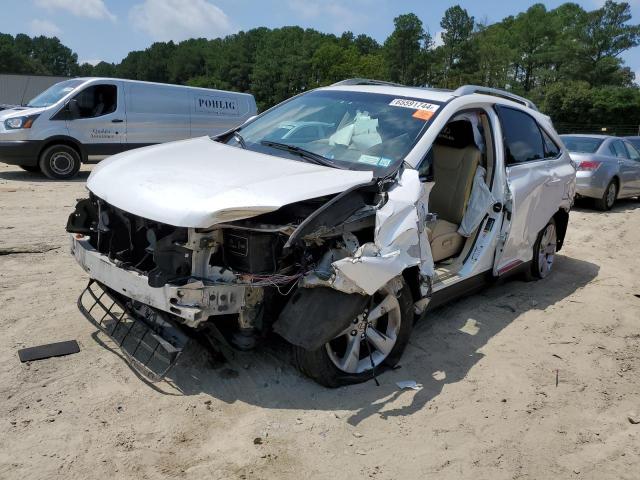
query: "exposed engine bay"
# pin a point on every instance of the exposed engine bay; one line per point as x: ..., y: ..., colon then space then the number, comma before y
x: 236, y: 267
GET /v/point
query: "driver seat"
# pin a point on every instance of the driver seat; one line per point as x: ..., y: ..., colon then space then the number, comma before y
x: 455, y: 161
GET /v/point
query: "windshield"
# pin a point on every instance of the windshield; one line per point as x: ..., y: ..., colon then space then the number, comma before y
x: 582, y: 144
x: 350, y: 130
x: 54, y: 93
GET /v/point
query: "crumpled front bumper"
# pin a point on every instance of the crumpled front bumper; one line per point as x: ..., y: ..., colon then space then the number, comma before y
x: 193, y: 302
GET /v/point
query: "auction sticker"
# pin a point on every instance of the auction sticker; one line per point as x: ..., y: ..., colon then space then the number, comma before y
x: 414, y: 105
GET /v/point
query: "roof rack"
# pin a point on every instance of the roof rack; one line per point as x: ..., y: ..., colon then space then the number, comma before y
x: 366, y: 81
x: 469, y: 89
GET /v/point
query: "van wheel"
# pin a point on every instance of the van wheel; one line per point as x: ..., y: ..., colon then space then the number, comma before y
x: 378, y: 335
x: 30, y: 168
x: 544, y: 252
x: 60, y: 162
x: 608, y: 198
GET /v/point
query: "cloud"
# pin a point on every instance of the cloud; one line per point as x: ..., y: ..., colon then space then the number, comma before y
x: 44, y: 27
x: 178, y: 20
x: 332, y: 15
x: 309, y: 9
x: 91, y: 61
x: 95, y: 9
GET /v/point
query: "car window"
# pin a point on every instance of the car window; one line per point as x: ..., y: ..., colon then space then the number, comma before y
x: 635, y: 141
x: 95, y: 101
x: 581, y: 144
x: 551, y: 150
x: 522, y: 137
x: 617, y: 149
x: 633, y: 153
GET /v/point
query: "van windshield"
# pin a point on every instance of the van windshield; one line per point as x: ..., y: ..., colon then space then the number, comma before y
x: 342, y: 129
x: 54, y: 93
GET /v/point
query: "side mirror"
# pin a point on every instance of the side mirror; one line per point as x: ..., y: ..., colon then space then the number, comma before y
x: 72, y: 110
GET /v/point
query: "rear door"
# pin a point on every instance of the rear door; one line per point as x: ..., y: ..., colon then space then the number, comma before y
x: 97, y: 118
x: 539, y: 178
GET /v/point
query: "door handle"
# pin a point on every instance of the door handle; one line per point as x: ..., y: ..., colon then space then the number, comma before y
x: 117, y: 120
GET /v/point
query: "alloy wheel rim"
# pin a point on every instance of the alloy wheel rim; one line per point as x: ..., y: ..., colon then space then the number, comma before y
x: 611, y: 195
x: 61, y: 163
x: 371, y: 336
x: 547, y: 251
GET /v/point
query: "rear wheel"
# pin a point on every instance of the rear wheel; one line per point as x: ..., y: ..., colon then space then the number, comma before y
x: 30, y: 168
x: 544, y: 251
x: 60, y: 162
x: 609, y: 197
x: 375, y: 339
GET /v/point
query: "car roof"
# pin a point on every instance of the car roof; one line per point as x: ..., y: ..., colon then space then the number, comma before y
x: 587, y: 135
x: 433, y: 94
x: 443, y: 95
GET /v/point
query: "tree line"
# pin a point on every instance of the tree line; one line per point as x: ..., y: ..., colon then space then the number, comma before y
x: 566, y: 59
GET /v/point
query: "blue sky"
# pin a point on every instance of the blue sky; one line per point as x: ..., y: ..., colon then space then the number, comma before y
x: 108, y: 29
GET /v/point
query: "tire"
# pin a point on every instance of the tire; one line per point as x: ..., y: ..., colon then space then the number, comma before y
x: 608, y: 197
x: 30, y: 168
x: 60, y: 162
x: 322, y: 365
x: 544, y: 252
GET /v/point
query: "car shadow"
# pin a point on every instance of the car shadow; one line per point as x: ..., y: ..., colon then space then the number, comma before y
x: 444, y: 347
x: 621, y: 206
x: 38, y: 177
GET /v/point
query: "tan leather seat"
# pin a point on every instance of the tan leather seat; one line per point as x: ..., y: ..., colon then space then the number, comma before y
x: 453, y: 170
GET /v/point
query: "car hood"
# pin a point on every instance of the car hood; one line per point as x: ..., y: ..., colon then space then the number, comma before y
x: 19, y: 112
x: 199, y: 182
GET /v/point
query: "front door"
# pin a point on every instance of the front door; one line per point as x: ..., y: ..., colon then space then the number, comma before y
x: 539, y: 176
x: 97, y: 119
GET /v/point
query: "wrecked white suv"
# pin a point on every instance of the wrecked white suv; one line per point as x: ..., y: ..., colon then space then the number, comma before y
x: 333, y: 219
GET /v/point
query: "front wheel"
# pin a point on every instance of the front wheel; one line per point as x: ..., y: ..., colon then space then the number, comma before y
x: 544, y: 251
x: 60, y: 162
x: 375, y: 339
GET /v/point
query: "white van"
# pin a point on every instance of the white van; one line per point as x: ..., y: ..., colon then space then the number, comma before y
x: 86, y: 119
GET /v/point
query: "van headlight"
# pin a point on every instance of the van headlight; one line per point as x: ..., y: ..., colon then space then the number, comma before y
x: 16, y: 123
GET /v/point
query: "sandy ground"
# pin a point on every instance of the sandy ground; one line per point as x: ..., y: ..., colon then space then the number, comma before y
x: 490, y: 407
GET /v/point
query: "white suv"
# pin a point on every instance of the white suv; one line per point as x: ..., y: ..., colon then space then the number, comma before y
x: 333, y: 219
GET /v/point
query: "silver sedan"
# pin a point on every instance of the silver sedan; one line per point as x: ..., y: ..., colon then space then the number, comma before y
x: 608, y: 168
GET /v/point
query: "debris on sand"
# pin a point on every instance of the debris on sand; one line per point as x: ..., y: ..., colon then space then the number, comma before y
x: 22, y: 249
x: 409, y: 384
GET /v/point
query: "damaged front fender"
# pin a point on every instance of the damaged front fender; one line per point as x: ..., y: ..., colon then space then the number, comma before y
x: 400, y: 242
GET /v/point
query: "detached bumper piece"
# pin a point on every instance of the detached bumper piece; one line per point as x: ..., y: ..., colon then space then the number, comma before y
x: 150, y: 342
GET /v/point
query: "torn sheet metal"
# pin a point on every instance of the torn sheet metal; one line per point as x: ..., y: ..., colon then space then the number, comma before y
x: 400, y: 241
x: 480, y: 202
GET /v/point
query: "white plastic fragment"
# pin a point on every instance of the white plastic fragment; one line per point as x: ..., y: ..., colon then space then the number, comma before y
x: 409, y: 385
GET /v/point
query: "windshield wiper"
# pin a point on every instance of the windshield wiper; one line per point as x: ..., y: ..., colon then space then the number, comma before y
x: 313, y: 157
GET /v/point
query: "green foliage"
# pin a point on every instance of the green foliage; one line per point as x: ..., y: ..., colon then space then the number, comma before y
x: 405, y: 50
x: 567, y: 59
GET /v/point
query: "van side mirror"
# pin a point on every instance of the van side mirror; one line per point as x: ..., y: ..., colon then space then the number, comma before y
x: 72, y: 110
